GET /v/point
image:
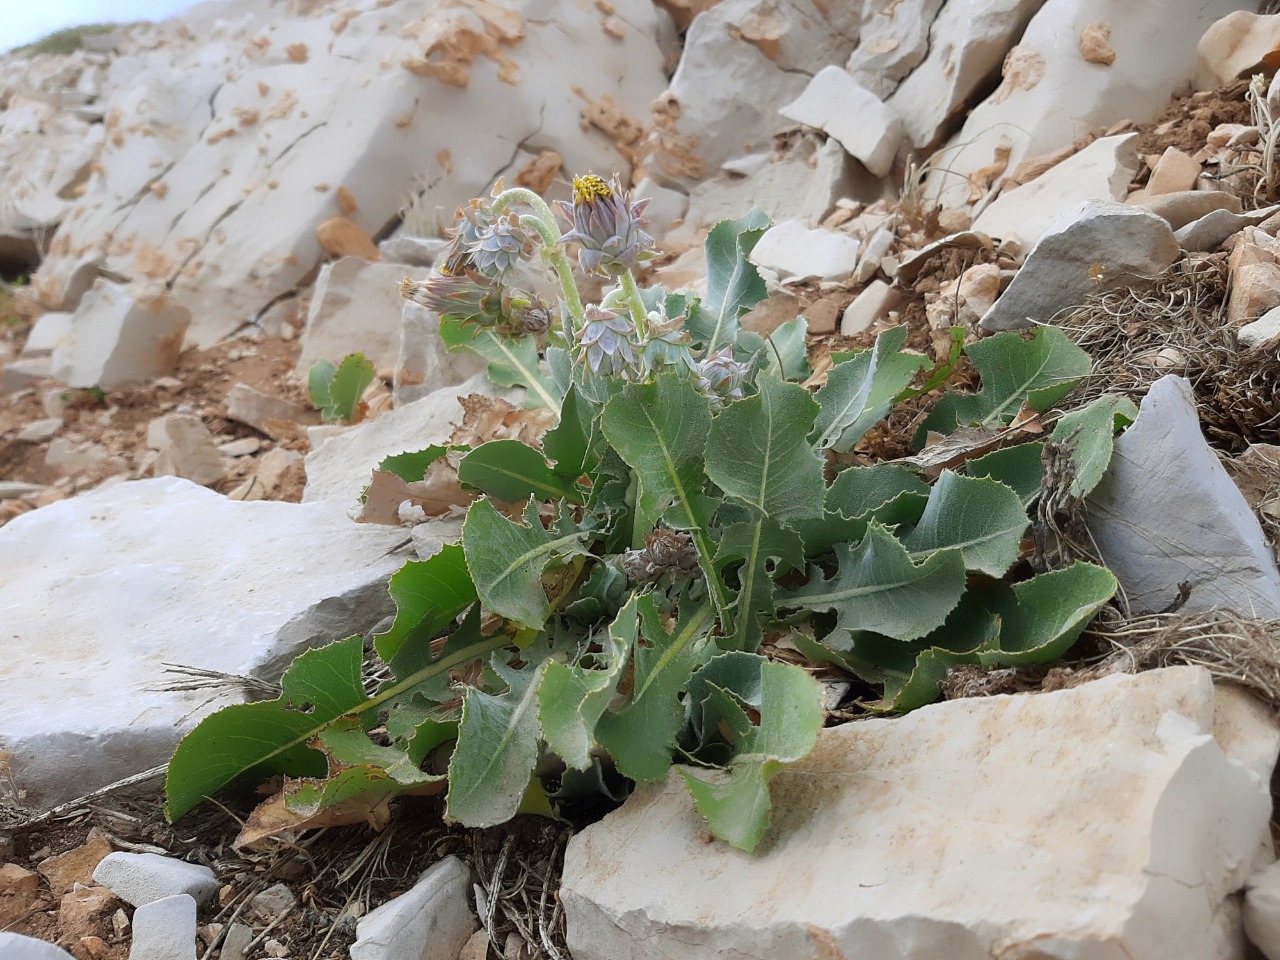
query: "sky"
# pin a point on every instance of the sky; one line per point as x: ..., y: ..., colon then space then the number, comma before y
x: 22, y: 21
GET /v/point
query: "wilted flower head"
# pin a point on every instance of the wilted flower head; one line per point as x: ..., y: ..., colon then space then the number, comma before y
x: 474, y: 218
x: 500, y: 245
x: 468, y: 298
x: 720, y: 378
x: 666, y: 553
x: 605, y: 343
x: 533, y: 314
x: 607, y: 225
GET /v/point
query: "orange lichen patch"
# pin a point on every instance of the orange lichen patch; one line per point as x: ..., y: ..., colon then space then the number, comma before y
x: 284, y: 106
x: 445, y: 159
x: 615, y: 27
x: 112, y: 119
x: 458, y: 32
x: 1023, y: 69
x: 117, y: 138
x: 540, y: 172
x: 263, y: 89
x: 683, y: 11
x: 605, y: 7
x: 246, y: 116
x: 159, y: 188
x: 341, y: 20
x: 154, y: 264
x: 296, y: 52
x: 321, y: 188
x: 624, y: 132
x: 765, y: 32
x: 1095, y: 43
x: 346, y: 202
x: 340, y: 237
x: 222, y: 135
x: 982, y: 178
x: 61, y: 245
x: 257, y: 46
x: 673, y: 151
x: 404, y: 120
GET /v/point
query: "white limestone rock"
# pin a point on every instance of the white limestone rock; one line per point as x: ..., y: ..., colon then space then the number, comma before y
x: 1262, y: 910
x: 20, y: 374
x: 967, y: 43
x: 276, y: 417
x: 892, y: 40
x: 165, y: 930
x: 1101, y: 171
x: 340, y: 467
x: 1266, y: 327
x: 872, y: 304
x: 1116, y: 819
x: 840, y: 106
x: 432, y: 921
x: 119, y: 336
x: 16, y: 946
x: 1212, y: 230
x: 355, y: 308
x: 1167, y: 513
x: 1237, y: 46
x: 1050, y: 94
x: 793, y: 250
x: 47, y: 332
x: 186, y: 449
x: 1126, y: 243
x: 743, y: 59
x: 142, y: 878
x: 98, y: 592
x: 412, y: 251
x: 425, y: 363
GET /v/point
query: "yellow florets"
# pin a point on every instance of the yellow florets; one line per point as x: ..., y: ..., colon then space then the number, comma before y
x: 590, y: 187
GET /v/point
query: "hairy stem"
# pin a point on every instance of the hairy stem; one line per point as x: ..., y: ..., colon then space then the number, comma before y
x: 635, y: 303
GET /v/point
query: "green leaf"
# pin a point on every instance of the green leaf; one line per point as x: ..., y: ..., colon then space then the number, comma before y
x: 353, y: 375
x: 640, y: 734
x: 412, y: 466
x: 568, y: 443
x: 269, y: 737
x: 736, y: 802
x: 1042, y: 617
x: 573, y: 697
x: 1090, y: 433
x: 734, y: 285
x: 512, y: 362
x: 512, y: 472
x: 861, y: 391
x: 318, y: 379
x: 756, y: 544
x: 1018, y: 467
x: 757, y: 452
x: 791, y: 349
x: 1038, y: 372
x: 857, y: 491
x: 507, y: 560
x: 429, y: 595
x: 983, y: 519
x: 497, y: 749
x: 877, y: 587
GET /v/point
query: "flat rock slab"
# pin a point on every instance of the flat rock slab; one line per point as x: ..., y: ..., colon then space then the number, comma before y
x: 97, y: 593
x: 1167, y: 513
x: 1116, y: 819
x: 432, y: 921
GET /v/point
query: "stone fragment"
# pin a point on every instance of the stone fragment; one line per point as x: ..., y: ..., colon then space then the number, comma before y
x: 1211, y: 230
x: 120, y: 336
x: 236, y: 943
x: 68, y: 457
x: 278, y: 419
x: 103, y: 589
x: 48, y: 330
x: 165, y: 929
x: 1187, y: 206
x: 244, y: 447
x: 140, y: 878
x: 1101, y: 171
x: 967, y: 44
x: 341, y: 466
x: 1237, y: 46
x: 38, y: 431
x: 272, y: 902
x: 1095, y: 44
x: 85, y: 911
x: 871, y: 305
x: 20, y: 374
x: 186, y: 449
x: 432, y: 921
x: 838, y: 105
x: 1265, y: 328
x: 355, y: 308
x: 1185, y: 766
x: 793, y: 250
x: 1167, y: 513
x: 340, y: 237
x: 412, y: 251
x: 1255, y: 290
x: 15, y: 946
x: 1097, y: 246
x: 781, y: 306
x: 1174, y: 172
x: 1262, y: 910
x: 15, y: 879
x: 65, y: 870
x: 1047, y: 98
x: 425, y: 363
x: 822, y: 315
x: 272, y: 467
x: 892, y: 40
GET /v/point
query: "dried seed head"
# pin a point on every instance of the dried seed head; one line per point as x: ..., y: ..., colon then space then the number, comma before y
x: 469, y: 298
x: 666, y: 553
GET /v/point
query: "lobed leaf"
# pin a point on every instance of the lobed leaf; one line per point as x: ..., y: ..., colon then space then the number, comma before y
x: 353, y: 375
x: 982, y: 518
x: 1090, y: 434
x: 512, y: 472
x: 861, y: 391
x: 429, y: 595
x: 734, y: 285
